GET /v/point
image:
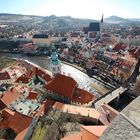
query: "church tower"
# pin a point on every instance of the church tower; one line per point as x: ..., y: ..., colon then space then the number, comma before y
x: 55, y: 63
x: 101, y: 25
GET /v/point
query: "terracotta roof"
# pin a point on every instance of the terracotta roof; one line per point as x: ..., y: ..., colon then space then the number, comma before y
x: 87, y: 133
x: 63, y: 85
x: 43, y: 74
x: 82, y: 96
x: 12, y: 119
x: 32, y: 95
x: 119, y: 46
x: 22, y: 134
x: 4, y: 75
x: 27, y: 77
x: 78, y: 110
x: 45, y: 107
x: 10, y: 96
x: 58, y: 105
x: 135, y: 52
x: 111, y: 55
x: 92, y: 132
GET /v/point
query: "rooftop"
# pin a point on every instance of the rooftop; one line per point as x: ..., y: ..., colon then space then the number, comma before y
x: 95, y: 130
x: 94, y: 26
x: 4, y: 75
x: 11, y: 119
x: 90, y: 112
x: 9, y: 96
x: 82, y: 96
x: 63, y: 85
x: 40, y: 36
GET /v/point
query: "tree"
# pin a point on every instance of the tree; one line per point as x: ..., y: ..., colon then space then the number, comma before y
x: 7, y: 134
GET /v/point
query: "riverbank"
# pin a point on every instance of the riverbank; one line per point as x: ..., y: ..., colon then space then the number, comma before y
x: 75, y: 66
x: 100, y: 86
x: 84, y: 71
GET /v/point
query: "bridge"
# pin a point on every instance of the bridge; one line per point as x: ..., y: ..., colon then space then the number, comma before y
x: 109, y: 96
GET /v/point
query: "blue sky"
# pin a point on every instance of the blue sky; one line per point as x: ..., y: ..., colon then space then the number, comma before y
x: 76, y: 8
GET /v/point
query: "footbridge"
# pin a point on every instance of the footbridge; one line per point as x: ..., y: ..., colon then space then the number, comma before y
x: 108, y: 97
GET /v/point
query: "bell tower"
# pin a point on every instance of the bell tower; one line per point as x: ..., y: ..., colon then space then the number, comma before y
x: 101, y: 25
x: 55, y: 63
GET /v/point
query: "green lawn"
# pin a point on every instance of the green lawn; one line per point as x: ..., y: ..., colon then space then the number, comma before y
x: 39, y: 132
x: 6, y: 62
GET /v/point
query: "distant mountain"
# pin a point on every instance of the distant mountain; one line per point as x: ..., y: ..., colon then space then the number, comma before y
x: 115, y: 20
x: 15, y: 18
x: 55, y: 23
x: 120, y: 20
x: 134, y: 19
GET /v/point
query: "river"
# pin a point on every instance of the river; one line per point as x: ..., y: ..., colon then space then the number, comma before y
x: 82, y: 79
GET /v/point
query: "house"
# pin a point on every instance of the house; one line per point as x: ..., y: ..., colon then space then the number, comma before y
x: 11, y: 119
x: 41, y: 40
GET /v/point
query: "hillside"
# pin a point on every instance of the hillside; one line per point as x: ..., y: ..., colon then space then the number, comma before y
x: 51, y: 23
x: 55, y: 23
x: 120, y: 20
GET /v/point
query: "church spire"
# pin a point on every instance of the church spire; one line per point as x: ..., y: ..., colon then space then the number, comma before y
x: 102, y: 19
x: 55, y: 63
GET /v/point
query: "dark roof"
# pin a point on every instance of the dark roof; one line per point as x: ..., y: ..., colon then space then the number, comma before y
x: 94, y: 26
x: 85, y: 30
x: 40, y: 36
x: 75, y: 34
x: 2, y: 105
x: 64, y: 39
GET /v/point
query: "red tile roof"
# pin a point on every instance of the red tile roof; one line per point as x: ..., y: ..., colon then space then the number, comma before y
x: 135, y: 52
x: 119, y: 46
x: 43, y: 74
x: 27, y: 77
x: 22, y: 134
x: 62, y: 85
x: 14, y: 120
x: 4, y: 75
x: 58, y: 105
x: 45, y: 106
x: 82, y: 96
x: 32, y: 95
x: 10, y: 96
x: 92, y: 132
x: 78, y: 110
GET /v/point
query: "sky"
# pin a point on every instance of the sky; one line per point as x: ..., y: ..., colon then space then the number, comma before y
x: 91, y: 9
